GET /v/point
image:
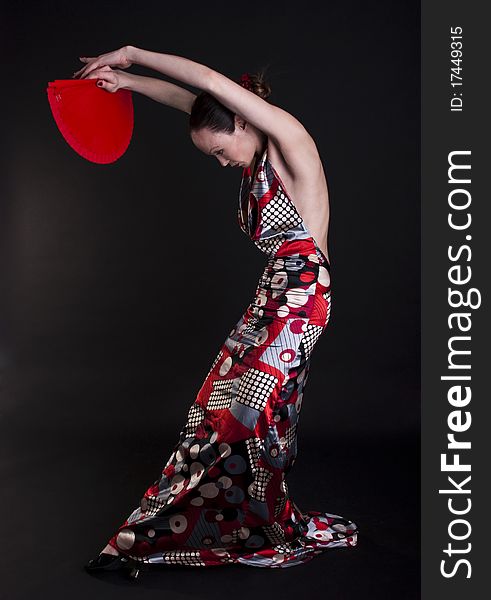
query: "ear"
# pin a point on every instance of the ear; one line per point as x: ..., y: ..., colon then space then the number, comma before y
x: 239, y: 122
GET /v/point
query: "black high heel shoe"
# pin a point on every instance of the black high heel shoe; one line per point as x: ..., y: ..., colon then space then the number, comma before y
x: 112, y: 562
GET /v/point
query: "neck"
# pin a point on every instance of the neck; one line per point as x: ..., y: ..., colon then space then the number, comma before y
x: 263, y: 142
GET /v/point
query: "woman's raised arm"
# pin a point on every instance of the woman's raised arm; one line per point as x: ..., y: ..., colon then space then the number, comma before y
x: 177, y: 67
x: 160, y: 91
x: 296, y: 145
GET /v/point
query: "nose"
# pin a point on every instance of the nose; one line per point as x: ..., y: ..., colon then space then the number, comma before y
x: 223, y: 161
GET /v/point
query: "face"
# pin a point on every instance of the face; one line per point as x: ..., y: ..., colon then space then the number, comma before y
x: 235, y: 149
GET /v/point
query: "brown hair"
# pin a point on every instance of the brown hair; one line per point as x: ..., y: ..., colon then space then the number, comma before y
x: 208, y: 112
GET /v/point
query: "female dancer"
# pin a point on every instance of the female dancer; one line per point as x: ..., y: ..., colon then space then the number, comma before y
x: 222, y: 497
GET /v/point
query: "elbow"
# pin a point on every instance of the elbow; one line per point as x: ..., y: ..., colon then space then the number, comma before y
x: 211, y: 81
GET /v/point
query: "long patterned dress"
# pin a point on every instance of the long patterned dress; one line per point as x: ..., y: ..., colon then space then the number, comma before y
x: 222, y: 497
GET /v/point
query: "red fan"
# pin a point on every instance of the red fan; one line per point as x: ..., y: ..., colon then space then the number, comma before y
x: 96, y: 123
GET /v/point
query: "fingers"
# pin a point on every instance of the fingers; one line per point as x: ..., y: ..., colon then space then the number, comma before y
x: 83, y: 59
x: 108, y: 87
x: 79, y: 73
x: 84, y: 71
x: 102, y: 62
x: 106, y: 80
x: 102, y: 73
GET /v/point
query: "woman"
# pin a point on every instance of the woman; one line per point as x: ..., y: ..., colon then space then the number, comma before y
x: 222, y: 497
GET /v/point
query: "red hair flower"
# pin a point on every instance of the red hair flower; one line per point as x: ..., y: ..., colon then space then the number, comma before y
x: 245, y: 81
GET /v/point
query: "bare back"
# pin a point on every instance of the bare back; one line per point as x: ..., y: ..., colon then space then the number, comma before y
x: 309, y: 193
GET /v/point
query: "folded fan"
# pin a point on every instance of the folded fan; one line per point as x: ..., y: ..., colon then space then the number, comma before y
x: 96, y: 123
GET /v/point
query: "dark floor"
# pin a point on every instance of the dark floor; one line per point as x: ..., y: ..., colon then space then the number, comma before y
x: 62, y: 502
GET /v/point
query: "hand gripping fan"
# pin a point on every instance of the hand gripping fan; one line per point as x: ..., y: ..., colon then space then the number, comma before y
x: 96, y: 123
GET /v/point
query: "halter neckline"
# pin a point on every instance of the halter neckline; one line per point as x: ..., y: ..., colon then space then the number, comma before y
x: 252, y: 176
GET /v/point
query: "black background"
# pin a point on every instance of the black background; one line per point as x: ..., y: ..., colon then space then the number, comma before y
x: 120, y: 282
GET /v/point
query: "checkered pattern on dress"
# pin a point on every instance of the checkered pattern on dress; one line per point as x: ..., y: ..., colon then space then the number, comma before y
x: 255, y: 388
x: 250, y: 327
x: 310, y: 337
x: 195, y: 415
x: 280, y: 505
x: 269, y: 246
x: 235, y: 535
x: 265, y: 279
x: 275, y: 533
x: 257, y: 489
x: 227, y: 559
x: 290, y: 434
x: 154, y: 505
x: 190, y: 558
x: 285, y: 549
x: 254, y: 446
x: 279, y: 213
x: 221, y: 396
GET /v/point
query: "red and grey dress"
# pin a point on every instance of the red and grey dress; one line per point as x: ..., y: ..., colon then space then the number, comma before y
x: 222, y: 497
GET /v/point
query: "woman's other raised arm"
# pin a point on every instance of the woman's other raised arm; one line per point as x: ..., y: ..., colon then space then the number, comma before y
x: 160, y: 91
x: 295, y: 143
x: 178, y: 67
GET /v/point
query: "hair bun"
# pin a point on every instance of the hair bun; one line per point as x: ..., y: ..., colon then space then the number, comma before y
x: 209, y: 113
x: 256, y: 83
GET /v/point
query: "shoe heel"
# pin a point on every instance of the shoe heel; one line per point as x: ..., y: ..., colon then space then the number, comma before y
x: 104, y: 562
x: 133, y: 573
x: 134, y: 568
